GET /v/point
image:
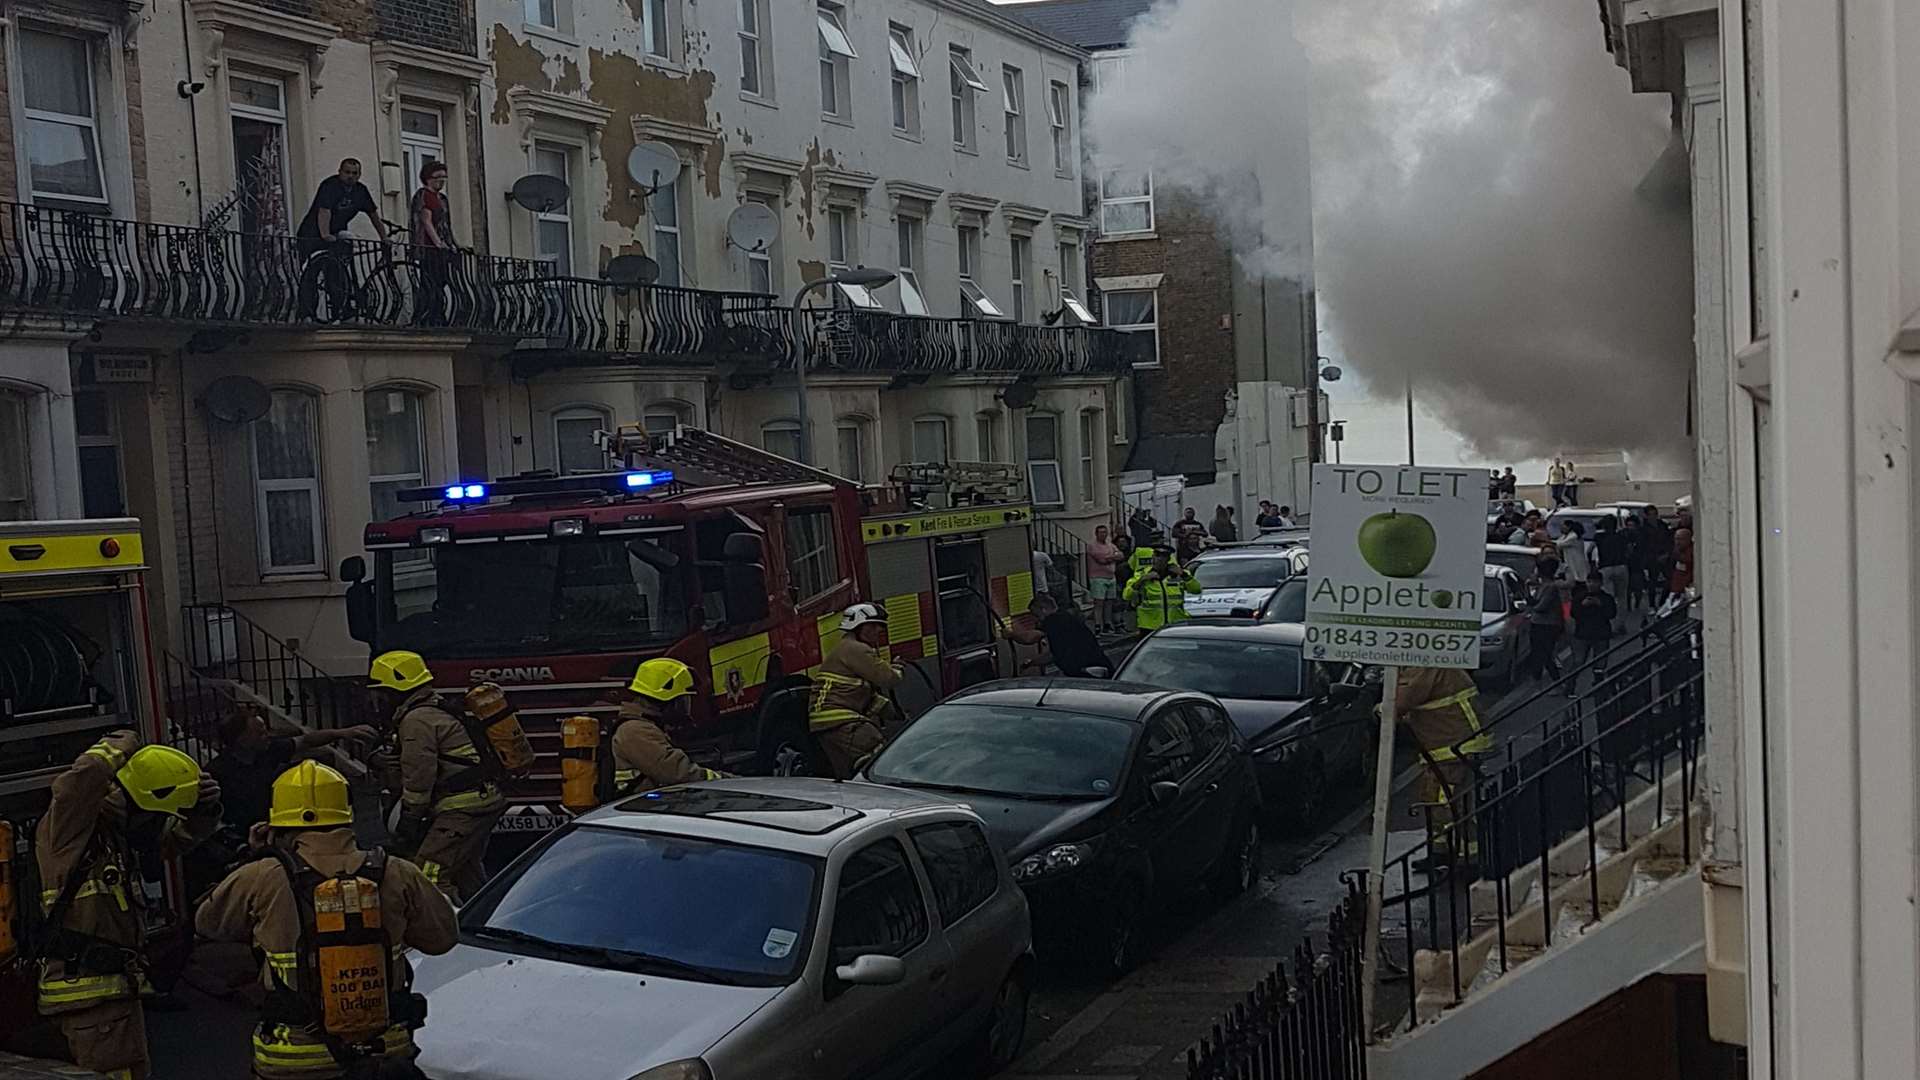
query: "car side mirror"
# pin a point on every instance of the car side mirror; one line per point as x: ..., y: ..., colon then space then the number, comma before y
x: 353, y: 568
x: 360, y: 611
x: 1162, y: 792
x: 872, y: 969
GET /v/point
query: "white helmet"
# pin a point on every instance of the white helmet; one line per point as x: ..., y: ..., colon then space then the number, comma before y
x: 860, y: 615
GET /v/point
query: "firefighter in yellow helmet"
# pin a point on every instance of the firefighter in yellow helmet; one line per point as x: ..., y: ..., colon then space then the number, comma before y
x: 449, y: 790
x: 1436, y: 707
x: 304, y: 854
x: 848, y: 706
x: 644, y: 756
x: 118, y: 800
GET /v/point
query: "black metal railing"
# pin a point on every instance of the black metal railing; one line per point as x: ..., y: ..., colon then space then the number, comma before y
x: 1303, y: 1026
x: 1067, y: 555
x: 1643, y: 714
x: 863, y: 340
x: 238, y: 660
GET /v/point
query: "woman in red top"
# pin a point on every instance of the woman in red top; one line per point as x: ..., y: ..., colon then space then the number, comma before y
x: 432, y: 226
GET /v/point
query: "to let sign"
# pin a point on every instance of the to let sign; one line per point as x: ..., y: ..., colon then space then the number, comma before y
x: 1399, y: 555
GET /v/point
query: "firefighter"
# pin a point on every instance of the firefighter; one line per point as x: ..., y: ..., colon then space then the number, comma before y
x: 449, y: 791
x: 644, y: 756
x: 118, y: 801
x: 306, y: 845
x: 1436, y: 705
x: 1159, y: 593
x: 848, y: 705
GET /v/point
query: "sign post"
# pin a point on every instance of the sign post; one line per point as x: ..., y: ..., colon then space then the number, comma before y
x: 1399, y: 559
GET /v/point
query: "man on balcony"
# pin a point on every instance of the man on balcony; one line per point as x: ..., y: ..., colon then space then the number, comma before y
x: 326, y: 232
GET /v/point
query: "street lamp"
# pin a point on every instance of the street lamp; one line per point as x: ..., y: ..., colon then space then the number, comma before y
x: 864, y: 276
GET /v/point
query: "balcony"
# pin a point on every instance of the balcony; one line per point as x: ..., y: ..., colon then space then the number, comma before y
x: 95, y: 268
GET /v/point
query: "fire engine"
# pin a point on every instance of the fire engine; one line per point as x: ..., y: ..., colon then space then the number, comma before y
x: 731, y: 559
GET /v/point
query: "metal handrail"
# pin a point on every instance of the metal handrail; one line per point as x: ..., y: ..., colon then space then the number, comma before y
x: 225, y: 646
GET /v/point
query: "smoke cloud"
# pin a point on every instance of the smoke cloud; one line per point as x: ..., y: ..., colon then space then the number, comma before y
x: 1495, y: 214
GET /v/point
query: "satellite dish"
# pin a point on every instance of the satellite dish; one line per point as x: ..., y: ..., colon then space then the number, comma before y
x: 236, y: 399
x: 652, y: 166
x: 1330, y: 374
x: 539, y: 192
x: 631, y: 270
x: 752, y: 227
x: 1019, y: 395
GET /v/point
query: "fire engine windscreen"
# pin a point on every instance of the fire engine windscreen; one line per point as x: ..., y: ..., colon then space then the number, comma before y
x: 546, y: 596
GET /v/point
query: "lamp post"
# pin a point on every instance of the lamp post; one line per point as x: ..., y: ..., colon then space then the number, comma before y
x: 864, y: 276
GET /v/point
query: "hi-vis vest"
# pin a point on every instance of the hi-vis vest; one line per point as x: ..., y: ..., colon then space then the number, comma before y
x: 1479, y: 743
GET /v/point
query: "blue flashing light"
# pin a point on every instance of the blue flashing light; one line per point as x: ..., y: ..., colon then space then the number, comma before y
x: 465, y: 492
x: 453, y: 492
x: 648, y: 479
x: 476, y: 491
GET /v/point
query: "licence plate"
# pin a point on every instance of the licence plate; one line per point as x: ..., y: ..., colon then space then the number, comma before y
x: 530, y: 822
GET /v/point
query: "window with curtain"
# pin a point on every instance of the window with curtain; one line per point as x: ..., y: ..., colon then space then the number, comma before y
x: 62, y: 130
x: 286, y: 479
x: 16, y: 473
x: 930, y: 440
x: 781, y: 437
x: 574, y: 448
x: 1043, y: 460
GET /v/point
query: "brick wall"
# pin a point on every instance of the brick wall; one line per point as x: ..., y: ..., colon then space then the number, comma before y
x: 193, y: 481
x: 446, y: 25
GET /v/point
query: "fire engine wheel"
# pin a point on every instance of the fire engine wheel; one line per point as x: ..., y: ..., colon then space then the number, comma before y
x: 792, y: 760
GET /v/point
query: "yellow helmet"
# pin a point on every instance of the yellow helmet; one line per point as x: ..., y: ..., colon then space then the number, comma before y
x: 399, y: 670
x: 309, y: 796
x: 161, y: 779
x: 662, y: 679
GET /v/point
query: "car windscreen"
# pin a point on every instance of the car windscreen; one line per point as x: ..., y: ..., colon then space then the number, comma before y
x: 531, y: 596
x: 1520, y: 562
x: 650, y: 902
x: 1222, y: 666
x: 1263, y: 572
x: 1288, y: 605
x: 1008, y: 750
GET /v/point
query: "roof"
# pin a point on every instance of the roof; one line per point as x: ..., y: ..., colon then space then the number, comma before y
x: 1244, y: 551
x: 1168, y: 455
x: 1090, y: 24
x: 1094, y: 697
x: 1003, y: 16
x: 789, y: 813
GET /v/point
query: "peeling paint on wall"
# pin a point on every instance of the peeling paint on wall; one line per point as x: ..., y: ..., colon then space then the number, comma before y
x: 630, y: 88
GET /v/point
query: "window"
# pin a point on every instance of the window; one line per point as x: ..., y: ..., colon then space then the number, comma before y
x: 960, y: 866
x: 986, y: 436
x: 257, y: 106
x: 835, y: 50
x: 973, y: 301
x: 663, y: 208
x: 1135, y: 310
x: 930, y: 440
x: 1013, y: 96
x: 574, y: 448
x: 1020, y: 271
x: 763, y: 266
x: 850, y: 442
x: 656, y: 29
x: 1070, y: 283
x: 286, y: 476
x: 553, y: 230
x: 1169, y: 751
x: 663, y: 416
x: 102, y: 495
x: 1209, y: 727
x: 781, y: 437
x: 1043, y: 459
x: 396, y: 448
x: 1126, y: 201
x: 908, y: 232
x: 16, y: 477
x: 422, y: 139
x: 1059, y: 121
x: 840, y: 237
x: 62, y: 121
x: 753, y: 46
x: 1108, y: 72
x: 812, y: 559
x: 906, y: 80
x: 964, y: 83
x: 877, y: 905
x: 1089, y: 445
x: 544, y: 13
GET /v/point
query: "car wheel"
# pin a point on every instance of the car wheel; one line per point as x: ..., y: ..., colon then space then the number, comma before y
x: 1122, y: 938
x: 1006, y: 1029
x: 1306, y: 797
x: 1240, y: 864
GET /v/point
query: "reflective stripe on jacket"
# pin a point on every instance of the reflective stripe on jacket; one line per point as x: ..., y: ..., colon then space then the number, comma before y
x: 1437, y: 703
x: 1157, y: 601
x: 847, y: 686
x: 644, y: 756
x: 433, y: 749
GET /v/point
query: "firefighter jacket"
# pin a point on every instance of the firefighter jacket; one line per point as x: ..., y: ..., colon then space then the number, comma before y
x: 255, y: 904
x: 847, y: 686
x: 1160, y: 600
x: 644, y: 757
x: 1436, y: 704
x: 440, y: 768
x: 83, y: 833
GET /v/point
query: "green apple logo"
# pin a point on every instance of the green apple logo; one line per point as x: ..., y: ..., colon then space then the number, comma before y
x: 1442, y: 599
x: 1396, y: 544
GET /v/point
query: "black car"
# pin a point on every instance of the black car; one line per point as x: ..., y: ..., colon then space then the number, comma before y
x: 1309, y: 724
x: 1105, y: 797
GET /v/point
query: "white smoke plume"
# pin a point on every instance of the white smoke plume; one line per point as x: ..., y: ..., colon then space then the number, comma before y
x: 1484, y: 217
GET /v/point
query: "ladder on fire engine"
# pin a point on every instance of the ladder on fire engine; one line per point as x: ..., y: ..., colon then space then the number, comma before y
x: 694, y: 450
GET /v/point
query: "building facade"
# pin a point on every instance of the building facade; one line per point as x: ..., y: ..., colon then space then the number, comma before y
x: 178, y: 353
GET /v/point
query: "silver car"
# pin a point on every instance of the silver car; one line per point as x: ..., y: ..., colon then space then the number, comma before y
x: 752, y: 929
x: 1241, y: 578
x: 1504, y: 636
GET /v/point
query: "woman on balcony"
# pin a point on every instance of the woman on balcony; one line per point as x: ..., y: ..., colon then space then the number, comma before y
x: 433, y: 239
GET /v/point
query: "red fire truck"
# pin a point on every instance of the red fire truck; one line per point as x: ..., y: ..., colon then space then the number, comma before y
x: 734, y: 560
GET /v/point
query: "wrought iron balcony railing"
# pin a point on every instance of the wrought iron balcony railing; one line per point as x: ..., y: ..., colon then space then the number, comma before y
x: 92, y: 267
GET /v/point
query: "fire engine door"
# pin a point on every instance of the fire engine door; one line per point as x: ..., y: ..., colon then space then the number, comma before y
x: 966, y: 617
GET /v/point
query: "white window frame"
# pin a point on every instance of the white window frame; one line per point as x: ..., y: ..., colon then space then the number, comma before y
x: 1060, y: 121
x: 986, y: 435
x: 656, y: 21
x: 1108, y: 203
x: 910, y: 236
x: 905, y: 85
x: 783, y: 426
x: 668, y: 194
x: 930, y: 422
x: 858, y: 426
x: 1020, y: 272
x: 963, y: 82
x: 281, y: 118
x: 417, y: 149
x: 753, y: 42
x: 1110, y: 69
x: 836, y: 54
x: 419, y: 478
x: 1035, y: 466
x: 531, y: 14
x: 308, y: 484
x: 90, y: 123
x: 1090, y: 477
x: 770, y: 258
x: 1013, y: 95
x: 1136, y: 327
x: 602, y: 421
x: 841, y: 232
x: 562, y: 215
x: 974, y: 301
x: 108, y: 439
x: 17, y: 507
x: 1070, y: 278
